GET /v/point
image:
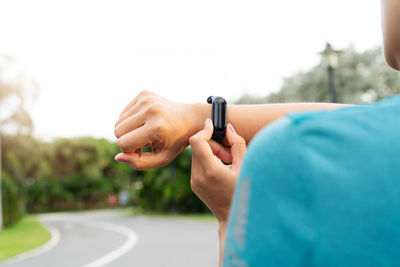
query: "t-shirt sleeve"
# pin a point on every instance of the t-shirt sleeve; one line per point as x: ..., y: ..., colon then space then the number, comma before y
x: 271, y: 222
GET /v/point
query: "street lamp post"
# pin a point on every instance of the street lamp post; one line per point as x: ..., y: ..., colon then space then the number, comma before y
x: 331, y: 82
x: 330, y: 57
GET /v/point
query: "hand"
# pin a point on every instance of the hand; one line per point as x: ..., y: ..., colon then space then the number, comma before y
x: 212, y: 181
x: 150, y: 120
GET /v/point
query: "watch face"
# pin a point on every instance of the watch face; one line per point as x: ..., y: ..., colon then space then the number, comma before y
x: 218, y: 116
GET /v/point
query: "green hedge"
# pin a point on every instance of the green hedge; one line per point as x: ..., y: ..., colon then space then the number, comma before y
x: 12, y: 199
x: 72, y: 193
x: 168, y: 189
x: 80, y: 173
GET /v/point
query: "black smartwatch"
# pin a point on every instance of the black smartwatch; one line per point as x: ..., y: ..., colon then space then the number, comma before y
x: 218, y: 116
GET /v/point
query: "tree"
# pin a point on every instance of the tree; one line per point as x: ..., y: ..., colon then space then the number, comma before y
x: 17, y: 92
x: 361, y: 77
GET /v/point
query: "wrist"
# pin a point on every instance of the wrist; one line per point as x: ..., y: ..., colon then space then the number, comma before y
x: 222, y: 229
x: 221, y: 235
x: 198, y: 113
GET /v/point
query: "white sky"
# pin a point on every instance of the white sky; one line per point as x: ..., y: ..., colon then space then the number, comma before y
x: 91, y: 57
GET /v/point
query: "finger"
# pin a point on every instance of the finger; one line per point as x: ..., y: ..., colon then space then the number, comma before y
x: 223, y: 153
x: 145, y: 160
x: 129, y: 124
x: 134, y: 140
x: 238, y: 146
x: 133, y: 110
x: 127, y: 107
x: 133, y: 102
x: 199, y: 142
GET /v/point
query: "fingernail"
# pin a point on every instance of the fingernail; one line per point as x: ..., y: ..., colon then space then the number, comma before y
x: 207, y: 121
x: 230, y: 126
x: 116, y: 158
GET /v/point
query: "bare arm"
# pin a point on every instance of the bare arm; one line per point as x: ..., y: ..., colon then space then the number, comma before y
x: 167, y: 126
x: 221, y: 235
x: 250, y: 119
x: 211, y: 180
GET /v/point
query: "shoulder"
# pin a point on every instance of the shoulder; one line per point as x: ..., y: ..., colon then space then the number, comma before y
x: 293, y: 164
x: 301, y: 135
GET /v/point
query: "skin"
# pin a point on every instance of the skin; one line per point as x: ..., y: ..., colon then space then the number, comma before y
x: 166, y: 126
x: 212, y: 181
x: 391, y: 36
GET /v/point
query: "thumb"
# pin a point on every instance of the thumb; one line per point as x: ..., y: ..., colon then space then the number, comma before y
x: 199, y: 142
x: 142, y: 161
x: 238, y: 146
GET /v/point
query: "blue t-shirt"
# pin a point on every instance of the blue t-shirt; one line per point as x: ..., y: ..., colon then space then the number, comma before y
x: 320, y: 189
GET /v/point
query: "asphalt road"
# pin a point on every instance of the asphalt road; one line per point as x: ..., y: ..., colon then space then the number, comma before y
x: 107, y: 238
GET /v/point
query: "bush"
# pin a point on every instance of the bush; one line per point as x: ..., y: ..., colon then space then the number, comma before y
x: 72, y: 193
x: 80, y: 173
x: 168, y: 189
x: 12, y: 199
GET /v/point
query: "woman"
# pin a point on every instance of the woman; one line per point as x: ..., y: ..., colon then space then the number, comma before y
x: 316, y: 188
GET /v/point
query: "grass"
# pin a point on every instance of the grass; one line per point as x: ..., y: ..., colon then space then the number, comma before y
x: 197, y: 216
x: 28, y: 233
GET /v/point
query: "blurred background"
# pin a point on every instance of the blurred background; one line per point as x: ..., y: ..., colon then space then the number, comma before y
x: 67, y: 68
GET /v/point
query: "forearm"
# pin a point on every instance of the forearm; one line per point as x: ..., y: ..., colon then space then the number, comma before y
x: 249, y: 119
x: 221, y: 235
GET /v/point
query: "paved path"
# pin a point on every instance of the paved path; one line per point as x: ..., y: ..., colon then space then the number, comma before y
x: 106, y: 238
